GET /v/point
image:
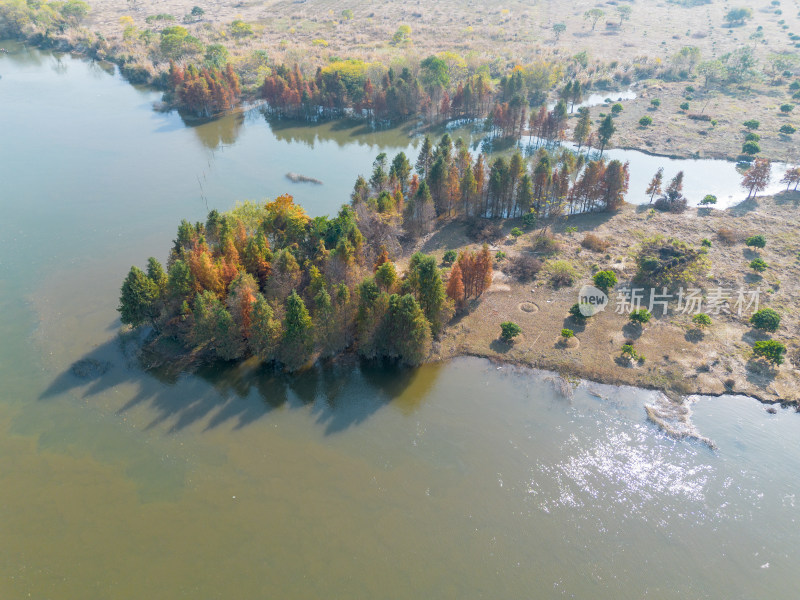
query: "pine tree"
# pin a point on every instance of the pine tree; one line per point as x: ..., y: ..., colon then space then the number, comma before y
x: 605, y: 132
x: 265, y: 330
x: 426, y: 282
x: 385, y: 276
x: 298, y: 335
x: 138, y: 297
x: 406, y: 330
x: 425, y: 158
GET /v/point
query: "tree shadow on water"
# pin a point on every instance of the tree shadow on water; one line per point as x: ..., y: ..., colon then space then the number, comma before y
x: 338, y: 394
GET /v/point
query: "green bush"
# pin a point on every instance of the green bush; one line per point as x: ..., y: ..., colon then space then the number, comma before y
x: 561, y: 273
x: 759, y: 265
x: 701, y: 320
x: 629, y: 351
x: 708, y: 199
x: 705, y: 243
x: 500, y: 255
x: 766, y: 319
x: 655, y: 102
x: 516, y: 232
x: 646, y: 121
x: 756, y: 241
x: 605, y: 280
x: 616, y: 108
x: 449, y: 257
x: 567, y: 333
x: 751, y: 148
x: 685, y: 106
x: 509, y: 330
x: 752, y: 137
x: 575, y: 313
x: 751, y: 124
x: 529, y: 220
x: 787, y: 129
x: 640, y: 316
x: 771, y: 350
x: 787, y: 108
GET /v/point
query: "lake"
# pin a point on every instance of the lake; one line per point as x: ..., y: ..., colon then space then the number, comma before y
x: 459, y: 480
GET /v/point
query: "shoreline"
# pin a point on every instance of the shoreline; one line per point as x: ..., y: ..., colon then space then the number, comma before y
x: 249, y: 101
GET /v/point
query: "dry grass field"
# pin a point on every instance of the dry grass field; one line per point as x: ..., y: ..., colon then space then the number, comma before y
x: 679, y: 358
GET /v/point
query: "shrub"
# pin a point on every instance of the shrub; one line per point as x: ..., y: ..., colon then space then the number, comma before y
x: 516, y: 232
x: 629, y: 351
x: 668, y: 262
x: 575, y: 313
x: 595, y: 243
x: 758, y: 265
x: 787, y: 129
x: 567, y: 333
x: 499, y: 255
x: 616, y: 108
x: 787, y: 108
x: 545, y: 243
x: 705, y: 243
x: 655, y: 102
x: 766, y: 319
x: 771, y: 350
x: 699, y: 117
x: 640, y: 316
x: 523, y: 267
x: 751, y: 148
x: 751, y: 124
x: 756, y: 241
x: 529, y: 220
x: 701, y: 320
x: 708, y: 199
x: 605, y: 280
x: 561, y: 273
x: 752, y: 137
x: 664, y: 204
x: 646, y: 120
x: 685, y: 106
x: 795, y: 85
x: 450, y: 257
x: 729, y: 236
x: 509, y: 330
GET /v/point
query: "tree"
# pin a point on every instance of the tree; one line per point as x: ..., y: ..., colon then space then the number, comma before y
x: 708, y: 199
x: 751, y: 147
x: 425, y: 158
x: 406, y: 330
x: 641, y: 316
x: 624, y: 13
x: 751, y: 124
x: 385, y: 276
x: 455, y: 287
x: 558, y: 29
x: 711, y: 70
x: 756, y: 178
x: 654, y: 186
x: 605, y: 280
x: 616, y: 108
x: 759, y: 265
x: 605, y: 132
x: 701, y: 320
x: 425, y: 280
x: 197, y: 11
x: 216, y: 56
x: 402, y: 36
x: 792, y: 176
x: 593, y: 15
x: 771, y: 350
x: 265, y: 330
x: 582, y: 128
x: 646, y: 121
x: 766, y: 319
x: 298, y: 339
x: 509, y: 330
x: 138, y: 296
x: 756, y: 241
x: 737, y: 16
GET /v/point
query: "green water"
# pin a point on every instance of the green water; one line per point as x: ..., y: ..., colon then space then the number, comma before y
x: 461, y: 480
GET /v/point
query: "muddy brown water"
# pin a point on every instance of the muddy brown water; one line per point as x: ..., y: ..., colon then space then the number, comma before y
x: 461, y: 480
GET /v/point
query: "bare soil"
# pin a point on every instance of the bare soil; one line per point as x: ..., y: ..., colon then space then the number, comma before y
x: 678, y: 358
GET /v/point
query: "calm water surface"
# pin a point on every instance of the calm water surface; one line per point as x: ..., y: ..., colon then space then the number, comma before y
x: 462, y: 480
